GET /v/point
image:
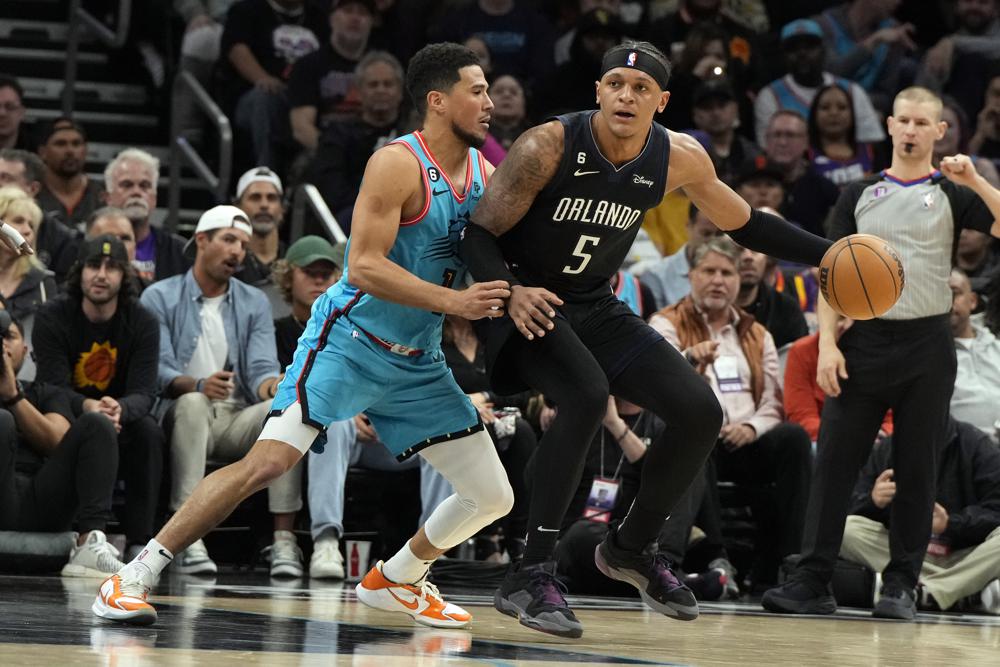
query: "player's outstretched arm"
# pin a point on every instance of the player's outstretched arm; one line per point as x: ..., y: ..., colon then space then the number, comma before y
x: 391, y: 180
x: 691, y: 168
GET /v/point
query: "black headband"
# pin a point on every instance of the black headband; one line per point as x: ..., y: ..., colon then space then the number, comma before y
x: 623, y: 56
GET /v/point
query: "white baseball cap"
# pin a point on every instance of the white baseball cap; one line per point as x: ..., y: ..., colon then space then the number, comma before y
x: 257, y: 174
x: 218, y: 217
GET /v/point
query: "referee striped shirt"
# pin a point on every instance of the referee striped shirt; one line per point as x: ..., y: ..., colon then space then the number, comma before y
x: 922, y: 220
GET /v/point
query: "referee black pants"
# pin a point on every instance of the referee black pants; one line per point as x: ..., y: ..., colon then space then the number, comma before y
x: 908, y: 366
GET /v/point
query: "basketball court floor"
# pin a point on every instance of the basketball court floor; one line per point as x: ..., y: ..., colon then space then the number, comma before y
x: 246, y: 619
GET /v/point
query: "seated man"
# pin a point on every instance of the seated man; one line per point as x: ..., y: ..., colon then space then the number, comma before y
x: 777, y: 311
x: 67, y: 193
x: 976, y: 398
x: 54, y: 472
x: 101, y: 346
x: 258, y: 194
x: 963, y: 557
x: 113, y: 221
x: 218, y: 367
x: 738, y: 358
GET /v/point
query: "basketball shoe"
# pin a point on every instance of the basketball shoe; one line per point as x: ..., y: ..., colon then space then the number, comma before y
x: 421, y: 601
x: 122, y: 597
x: 533, y: 595
x: 649, y: 571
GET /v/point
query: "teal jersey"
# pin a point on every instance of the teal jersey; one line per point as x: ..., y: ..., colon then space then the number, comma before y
x: 427, y: 247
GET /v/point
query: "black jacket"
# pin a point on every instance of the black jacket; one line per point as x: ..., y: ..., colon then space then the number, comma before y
x: 780, y: 314
x: 57, y: 246
x: 37, y: 287
x: 170, y: 259
x: 968, y: 485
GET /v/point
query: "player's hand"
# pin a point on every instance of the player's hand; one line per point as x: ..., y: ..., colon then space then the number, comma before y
x: 737, y: 435
x: 13, y: 240
x: 366, y: 432
x: 480, y: 300
x: 270, y: 84
x: 218, y: 386
x: 830, y: 369
x: 703, y: 354
x: 939, y: 519
x: 884, y: 489
x: 532, y: 310
x: 959, y: 169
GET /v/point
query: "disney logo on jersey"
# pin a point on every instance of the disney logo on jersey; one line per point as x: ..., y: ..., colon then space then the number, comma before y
x: 599, y: 212
x: 642, y: 180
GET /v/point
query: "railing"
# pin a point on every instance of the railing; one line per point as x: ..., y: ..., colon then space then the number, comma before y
x: 182, y: 151
x: 113, y: 38
x: 308, y: 196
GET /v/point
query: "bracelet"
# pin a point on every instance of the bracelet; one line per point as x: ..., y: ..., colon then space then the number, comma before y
x: 624, y: 433
x: 9, y: 403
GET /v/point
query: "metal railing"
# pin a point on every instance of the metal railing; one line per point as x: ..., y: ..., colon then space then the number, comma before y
x: 307, y: 196
x: 78, y: 18
x: 181, y: 150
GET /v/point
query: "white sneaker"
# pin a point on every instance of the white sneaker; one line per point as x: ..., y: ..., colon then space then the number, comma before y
x: 194, y: 560
x: 94, y: 558
x: 326, y: 561
x: 990, y: 598
x: 286, y: 556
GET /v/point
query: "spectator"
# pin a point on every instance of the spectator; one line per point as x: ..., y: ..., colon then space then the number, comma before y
x: 55, y: 244
x: 564, y: 44
x: 101, y: 347
x: 668, y: 278
x: 111, y: 220
x: 520, y: 39
x: 258, y: 195
x: 261, y: 42
x: 835, y: 152
x: 778, y: 312
x: 131, y: 180
x: 739, y: 360
x: 865, y: 44
x: 67, y: 194
x: 510, y: 112
x: 25, y: 284
x: 963, y: 557
x: 570, y: 87
x: 704, y: 58
x: 977, y: 256
x: 803, y: 396
x: 54, y: 472
x: 322, y: 87
x: 976, y: 399
x: 761, y: 183
x: 808, y: 196
x: 802, y: 43
x: 986, y: 140
x: 347, y: 145
x: 476, y: 44
x: 956, y: 140
x: 717, y: 116
x: 218, y: 369
x: 13, y: 130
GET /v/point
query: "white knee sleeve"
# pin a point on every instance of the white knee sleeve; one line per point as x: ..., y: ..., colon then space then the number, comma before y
x: 482, y: 492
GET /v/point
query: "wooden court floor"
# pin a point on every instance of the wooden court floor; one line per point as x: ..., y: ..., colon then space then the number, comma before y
x: 248, y: 619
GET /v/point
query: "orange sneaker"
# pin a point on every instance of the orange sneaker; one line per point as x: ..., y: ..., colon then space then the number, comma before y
x: 123, y: 598
x: 421, y: 601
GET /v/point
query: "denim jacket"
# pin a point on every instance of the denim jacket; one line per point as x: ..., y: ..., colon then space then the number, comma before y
x: 246, y: 313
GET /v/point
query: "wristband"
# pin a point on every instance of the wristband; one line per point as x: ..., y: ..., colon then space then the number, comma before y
x: 199, y: 385
x: 17, y: 398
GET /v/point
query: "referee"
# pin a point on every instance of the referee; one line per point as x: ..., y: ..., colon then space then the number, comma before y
x: 904, y: 360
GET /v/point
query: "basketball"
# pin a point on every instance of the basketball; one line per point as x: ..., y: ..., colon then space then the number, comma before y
x: 861, y: 276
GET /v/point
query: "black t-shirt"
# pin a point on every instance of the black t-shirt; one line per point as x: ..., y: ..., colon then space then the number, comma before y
x: 286, y: 337
x: 45, y: 398
x: 780, y: 314
x: 471, y: 376
x: 325, y: 79
x: 808, y: 201
x: 254, y: 271
x: 54, y: 209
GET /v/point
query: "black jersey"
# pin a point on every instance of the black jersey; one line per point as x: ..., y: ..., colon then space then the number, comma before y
x: 582, y: 224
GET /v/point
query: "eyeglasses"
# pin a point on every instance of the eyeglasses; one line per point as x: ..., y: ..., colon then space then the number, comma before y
x: 10, y: 107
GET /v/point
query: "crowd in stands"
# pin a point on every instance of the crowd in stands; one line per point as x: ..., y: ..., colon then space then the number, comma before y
x: 134, y: 354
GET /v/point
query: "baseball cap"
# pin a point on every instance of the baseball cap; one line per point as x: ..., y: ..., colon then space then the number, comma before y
x: 801, y: 28
x: 218, y: 217
x: 57, y: 125
x: 253, y: 176
x: 713, y: 88
x: 309, y: 249
x: 759, y: 167
x: 367, y: 4
x: 105, y: 245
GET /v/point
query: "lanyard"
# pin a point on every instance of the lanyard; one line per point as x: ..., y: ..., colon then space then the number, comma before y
x: 620, y: 460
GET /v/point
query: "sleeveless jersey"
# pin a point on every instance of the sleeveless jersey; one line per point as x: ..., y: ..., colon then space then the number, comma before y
x: 629, y: 292
x: 581, y: 226
x: 426, y: 246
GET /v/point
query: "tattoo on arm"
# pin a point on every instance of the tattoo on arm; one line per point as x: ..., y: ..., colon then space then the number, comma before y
x: 528, y: 167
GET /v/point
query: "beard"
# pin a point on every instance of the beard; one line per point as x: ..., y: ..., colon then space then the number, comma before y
x: 69, y: 168
x: 263, y: 224
x: 466, y: 136
x: 107, y: 297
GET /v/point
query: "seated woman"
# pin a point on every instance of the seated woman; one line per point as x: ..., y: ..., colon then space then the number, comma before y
x: 833, y: 149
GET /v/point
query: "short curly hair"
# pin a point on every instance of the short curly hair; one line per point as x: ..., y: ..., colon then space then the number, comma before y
x: 435, y: 67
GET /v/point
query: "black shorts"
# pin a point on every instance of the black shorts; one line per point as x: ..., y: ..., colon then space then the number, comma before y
x: 612, y: 332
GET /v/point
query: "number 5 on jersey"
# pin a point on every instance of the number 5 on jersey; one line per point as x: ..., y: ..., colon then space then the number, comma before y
x: 579, y: 252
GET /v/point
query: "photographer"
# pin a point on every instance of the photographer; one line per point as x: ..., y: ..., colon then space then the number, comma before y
x: 53, y: 469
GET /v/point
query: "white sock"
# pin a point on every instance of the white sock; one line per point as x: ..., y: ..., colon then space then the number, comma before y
x: 405, y: 567
x: 154, y: 558
x: 284, y: 535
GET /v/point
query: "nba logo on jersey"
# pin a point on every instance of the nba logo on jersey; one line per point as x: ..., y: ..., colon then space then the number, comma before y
x: 879, y: 191
x: 630, y: 61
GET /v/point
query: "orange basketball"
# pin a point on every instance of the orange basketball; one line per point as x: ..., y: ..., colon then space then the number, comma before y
x: 861, y: 276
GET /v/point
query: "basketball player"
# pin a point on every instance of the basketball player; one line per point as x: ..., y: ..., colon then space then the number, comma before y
x: 372, y: 345
x: 566, y: 204
x: 904, y: 360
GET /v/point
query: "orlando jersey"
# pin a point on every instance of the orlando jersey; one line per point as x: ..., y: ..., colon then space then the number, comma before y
x: 581, y: 226
x: 426, y: 246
